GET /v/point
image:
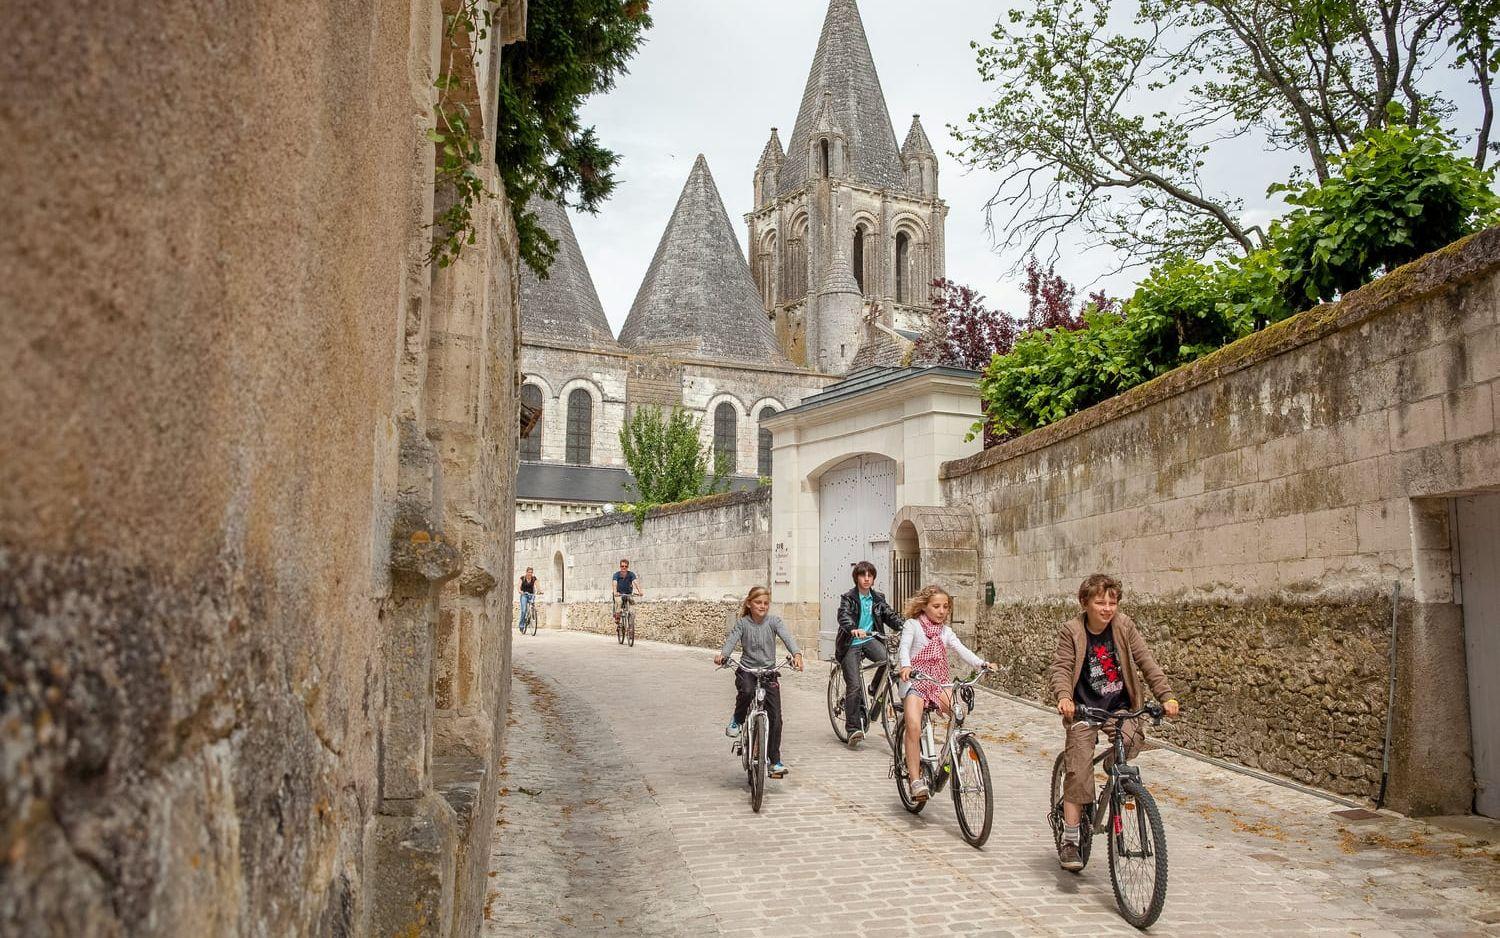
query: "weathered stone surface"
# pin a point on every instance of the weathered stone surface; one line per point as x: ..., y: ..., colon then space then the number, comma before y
x: 248, y: 433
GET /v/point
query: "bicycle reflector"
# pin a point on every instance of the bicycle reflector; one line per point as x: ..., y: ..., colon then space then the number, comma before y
x: 1119, y: 828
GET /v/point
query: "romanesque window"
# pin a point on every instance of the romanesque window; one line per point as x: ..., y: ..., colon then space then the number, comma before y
x: 531, y: 446
x: 580, y: 427
x: 796, y: 263
x: 726, y: 438
x: 903, y: 258
x: 826, y: 173
x: 764, y: 467
x: 859, y: 256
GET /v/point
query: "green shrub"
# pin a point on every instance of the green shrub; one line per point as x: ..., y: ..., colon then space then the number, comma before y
x: 1400, y: 193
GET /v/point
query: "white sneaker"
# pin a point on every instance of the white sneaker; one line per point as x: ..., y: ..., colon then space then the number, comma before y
x: 919, y: 790
x: 855, y: 737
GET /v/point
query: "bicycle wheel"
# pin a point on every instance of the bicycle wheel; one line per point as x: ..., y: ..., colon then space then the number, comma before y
x: 903, y: 784
x: 1055, y: 815
x: 620, y: 628
x: 531, y: 618
x: 1137, y: 855
x: 630, y: 629
x: 836, y: 702
x: 761, y: 728
x: 973, y: 801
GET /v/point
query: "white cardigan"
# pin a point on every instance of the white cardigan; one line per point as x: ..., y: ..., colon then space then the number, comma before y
x: 913, y: 640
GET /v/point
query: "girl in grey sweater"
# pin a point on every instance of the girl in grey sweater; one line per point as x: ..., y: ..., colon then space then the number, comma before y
x: 756, y: 632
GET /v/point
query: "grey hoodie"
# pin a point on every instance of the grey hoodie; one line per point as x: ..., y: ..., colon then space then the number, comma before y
x: 759, y: 640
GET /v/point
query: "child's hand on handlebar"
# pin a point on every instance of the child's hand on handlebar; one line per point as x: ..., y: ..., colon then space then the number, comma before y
x: 718, y: 659
x: 906, y: 675
x: 1066, y: 708
x: 797, y: 661
x: 1172, y: 707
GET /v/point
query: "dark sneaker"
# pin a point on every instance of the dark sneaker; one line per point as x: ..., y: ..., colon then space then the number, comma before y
x: 854, y: 737
x: 1068, y: 858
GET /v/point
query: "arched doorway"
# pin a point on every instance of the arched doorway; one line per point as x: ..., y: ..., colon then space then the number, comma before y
x: 856, y: 501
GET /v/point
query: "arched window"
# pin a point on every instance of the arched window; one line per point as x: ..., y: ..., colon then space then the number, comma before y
x: 764, y: 468
x: 859, y: 256
x: 796, y: 262
x: 903, y: 252
x: 826, y: 173
x: 726, y: 438
x: 580, y: 427
x: 531, y: 445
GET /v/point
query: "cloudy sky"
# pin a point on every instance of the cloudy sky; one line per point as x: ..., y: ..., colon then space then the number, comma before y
x: 714, y: 76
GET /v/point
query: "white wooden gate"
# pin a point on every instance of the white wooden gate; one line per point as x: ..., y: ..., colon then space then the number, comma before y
x: 856, y: 502
x: 1479, y: 560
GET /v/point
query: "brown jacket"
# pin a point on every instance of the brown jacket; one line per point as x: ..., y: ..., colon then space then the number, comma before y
x: 1072, y: 647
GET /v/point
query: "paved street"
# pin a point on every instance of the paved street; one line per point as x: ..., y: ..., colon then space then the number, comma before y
x: 623, y: 812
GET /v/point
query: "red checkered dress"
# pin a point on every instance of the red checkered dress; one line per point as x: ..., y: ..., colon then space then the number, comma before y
x: 932, y: 660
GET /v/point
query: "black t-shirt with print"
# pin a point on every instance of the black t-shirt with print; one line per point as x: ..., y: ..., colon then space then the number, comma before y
x: 1101, y: 683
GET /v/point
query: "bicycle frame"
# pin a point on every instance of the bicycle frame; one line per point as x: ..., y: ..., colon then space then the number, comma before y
x: 937, y: 758
x: 1107, y: 806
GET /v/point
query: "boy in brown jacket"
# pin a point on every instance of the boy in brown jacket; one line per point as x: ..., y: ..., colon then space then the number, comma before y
x: 1100, y: 661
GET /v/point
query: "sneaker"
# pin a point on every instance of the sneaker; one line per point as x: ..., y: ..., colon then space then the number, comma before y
x: 777, y: 770
x: 1068, y: 857
x: 732, y: 730
x: 919, y: 790
x: 854, y: 737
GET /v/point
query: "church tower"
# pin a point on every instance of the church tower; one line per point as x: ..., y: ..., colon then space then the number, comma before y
x: 844, y: 221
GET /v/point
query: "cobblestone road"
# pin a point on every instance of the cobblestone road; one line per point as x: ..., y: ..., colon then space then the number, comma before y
x: 624, y: 812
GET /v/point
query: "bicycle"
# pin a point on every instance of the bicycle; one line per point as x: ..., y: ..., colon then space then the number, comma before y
x: 529, y: 618
x: 887, y: 699
x: 1126, y: 810
x: 960, y: 754
x: 750, y: 745
x: 625, y: 620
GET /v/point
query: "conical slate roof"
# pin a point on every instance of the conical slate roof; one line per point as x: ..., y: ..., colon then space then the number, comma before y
x: 844, y: 68
x: 698, y: 289
x: 565, y: 307
x: 917, y: 143
x: 773, y: 153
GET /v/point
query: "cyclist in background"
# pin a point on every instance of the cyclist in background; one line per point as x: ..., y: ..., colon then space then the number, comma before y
x: 528, y: 594
x: 623, y: 588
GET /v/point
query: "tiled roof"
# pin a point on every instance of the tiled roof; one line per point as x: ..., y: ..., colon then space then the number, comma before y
x: 698, y: 294
x: 844, y: 69
x: 917, y: 143
x: 565, y: 307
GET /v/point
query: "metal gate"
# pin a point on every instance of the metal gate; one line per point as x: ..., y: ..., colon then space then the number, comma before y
x: 906, y: 579
x: 1479, y: 561
x: 856, y: 502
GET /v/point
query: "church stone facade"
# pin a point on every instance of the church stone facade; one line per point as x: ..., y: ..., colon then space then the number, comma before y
x: 846, y: 234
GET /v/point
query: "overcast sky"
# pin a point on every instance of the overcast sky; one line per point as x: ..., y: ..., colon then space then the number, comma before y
x: 714, y: 76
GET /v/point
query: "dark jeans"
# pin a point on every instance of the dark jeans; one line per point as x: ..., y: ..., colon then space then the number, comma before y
x: 854, y: 698
x: 744, y: 686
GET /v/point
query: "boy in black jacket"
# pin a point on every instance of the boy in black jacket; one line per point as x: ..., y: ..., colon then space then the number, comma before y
x: 863, y: 618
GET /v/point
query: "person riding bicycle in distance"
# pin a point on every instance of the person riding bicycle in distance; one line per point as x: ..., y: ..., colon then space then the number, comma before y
x: 925, y: 640
x: 528, y: 595
x: 1100, y: 661
x: 756, y: 632
x: 623, y: 584
x: 863, y: 618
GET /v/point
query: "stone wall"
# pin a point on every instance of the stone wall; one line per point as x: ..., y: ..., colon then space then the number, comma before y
x: 259, y: 458
x: 1260, y: 505
x: 695, y: 561
x: 558, y: 371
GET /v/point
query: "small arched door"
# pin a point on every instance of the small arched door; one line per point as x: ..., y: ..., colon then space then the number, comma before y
x: 856, y: 503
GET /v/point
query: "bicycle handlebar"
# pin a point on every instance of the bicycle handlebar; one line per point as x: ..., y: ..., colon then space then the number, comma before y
x: 1098, y: 717
x: 773, y: 669
x: 918, y: 675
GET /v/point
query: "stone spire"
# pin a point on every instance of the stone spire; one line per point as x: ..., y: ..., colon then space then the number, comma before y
x: 565, y: 307
x: 767, y: 169
x: 698, y: 291
x: 844, y: 70
x: 920, y: 161
x: 917, y: 143
x: 773, y: 154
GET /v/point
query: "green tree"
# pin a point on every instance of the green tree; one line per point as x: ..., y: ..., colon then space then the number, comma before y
x: 1076, y: 149
x: 666, y: 460
x: 573, y: 49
